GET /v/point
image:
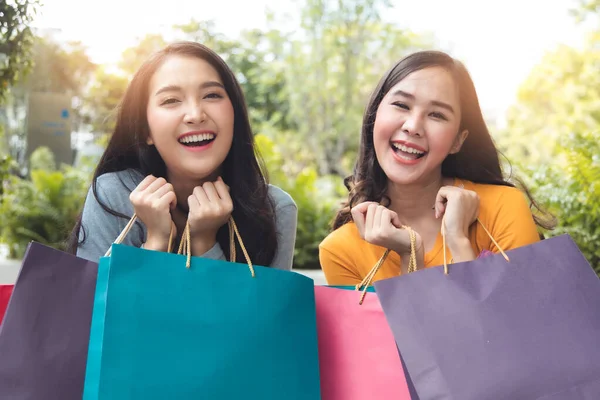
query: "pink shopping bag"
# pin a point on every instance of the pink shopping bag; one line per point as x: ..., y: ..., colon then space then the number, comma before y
x: 358, y: 357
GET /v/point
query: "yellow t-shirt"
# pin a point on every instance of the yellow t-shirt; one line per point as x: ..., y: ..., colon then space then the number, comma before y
x: 346, y: 259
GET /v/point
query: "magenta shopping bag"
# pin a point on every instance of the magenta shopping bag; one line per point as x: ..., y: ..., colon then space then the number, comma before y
x: 5, y: 293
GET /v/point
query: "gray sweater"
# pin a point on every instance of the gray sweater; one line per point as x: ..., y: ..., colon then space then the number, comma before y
x: 113, y: 189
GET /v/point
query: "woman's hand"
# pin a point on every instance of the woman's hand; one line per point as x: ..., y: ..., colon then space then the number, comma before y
x: 459, y: 209
x: 381, y: 226
x: 210, y: 207
x: 153, y: 199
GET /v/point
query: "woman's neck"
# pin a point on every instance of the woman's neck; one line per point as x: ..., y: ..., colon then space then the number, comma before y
x: 415, y: 201
x: 184, y: 187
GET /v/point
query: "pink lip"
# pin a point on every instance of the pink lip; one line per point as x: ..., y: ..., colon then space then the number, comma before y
x: 198, y: 148
x: 404, y: 161
x: 411, y: 145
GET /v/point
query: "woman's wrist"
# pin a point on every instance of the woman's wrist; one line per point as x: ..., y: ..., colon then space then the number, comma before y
x: 461, y: 249
x: 157, y: 243
x: 202, y: 243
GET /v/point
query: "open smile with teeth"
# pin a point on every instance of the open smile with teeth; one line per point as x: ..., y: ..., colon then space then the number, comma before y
x: 408, y: 153
x: 197, y: 140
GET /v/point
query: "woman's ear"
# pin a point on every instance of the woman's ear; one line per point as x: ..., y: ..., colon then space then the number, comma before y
x: 460, y: 139
x: 149, y: 141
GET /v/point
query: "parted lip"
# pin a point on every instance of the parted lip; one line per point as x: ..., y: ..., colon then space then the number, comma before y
x: 408, y: 144
x: 192, y: 133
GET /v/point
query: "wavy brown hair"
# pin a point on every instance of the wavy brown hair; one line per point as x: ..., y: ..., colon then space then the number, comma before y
x: 477, y: 161
x: 243, y: 169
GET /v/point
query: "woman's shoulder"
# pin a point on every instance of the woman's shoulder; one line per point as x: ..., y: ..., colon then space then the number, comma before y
x: 126, y: 180
x: 506, y: 211
x: 346, y: 236
x: 490, y: 195
x: 281, y: 198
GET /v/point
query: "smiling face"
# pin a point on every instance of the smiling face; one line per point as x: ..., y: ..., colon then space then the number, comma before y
x: 190, y: 117
x: 417, y: 126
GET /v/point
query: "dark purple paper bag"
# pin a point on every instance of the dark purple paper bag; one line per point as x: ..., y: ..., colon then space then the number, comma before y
x: 528, y: 329
x: 45, y: 334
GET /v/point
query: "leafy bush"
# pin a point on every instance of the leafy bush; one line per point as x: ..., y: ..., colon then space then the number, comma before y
x: 317, y: 198
x: 570, y: 189
x: 42, y: 159
x: 7, y: 166
x: 553, y: 130
x: 42, y: 208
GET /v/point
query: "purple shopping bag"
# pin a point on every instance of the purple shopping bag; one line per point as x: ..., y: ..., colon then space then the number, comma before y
x: 521, y: 330
x: 45, y: 333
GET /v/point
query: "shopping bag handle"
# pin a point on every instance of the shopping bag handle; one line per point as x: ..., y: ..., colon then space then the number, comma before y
x: 126, y: 230
x: 185, y: 244
x: 486, y: 231
x: 186, y: 248
x: 412, y: 264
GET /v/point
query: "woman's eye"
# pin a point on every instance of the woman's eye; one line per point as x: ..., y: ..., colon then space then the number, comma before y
x: 169, y: 101
x: 213, y: 96
x: 439, y: 115
x: 400, y: 105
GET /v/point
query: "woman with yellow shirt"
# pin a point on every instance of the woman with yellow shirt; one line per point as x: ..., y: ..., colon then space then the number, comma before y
x: 426, y: 161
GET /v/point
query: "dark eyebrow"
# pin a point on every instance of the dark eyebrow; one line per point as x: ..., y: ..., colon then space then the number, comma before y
x: 175, y: 88
x: 435, y: 102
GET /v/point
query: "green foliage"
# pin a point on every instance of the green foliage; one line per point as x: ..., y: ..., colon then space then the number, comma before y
x: 586, y: 8
x: 331, y: 70
x: 43, y: 208
x: 571, y: 190
x: 553, y: 134
x: 56, y: 68
x: 560, y: 96
x: 102, y: 99
x: 59, y: 67
x: 42, y: 158
x: 7, y: 167
x: 317, y: 200
x: 134, y: 57
x: 15, y: 41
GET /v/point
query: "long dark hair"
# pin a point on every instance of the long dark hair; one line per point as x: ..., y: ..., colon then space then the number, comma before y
x: 477, y: 161
x: 243, y: 169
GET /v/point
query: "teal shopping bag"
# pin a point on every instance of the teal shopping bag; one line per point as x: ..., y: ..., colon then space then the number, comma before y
x: 210, y: 331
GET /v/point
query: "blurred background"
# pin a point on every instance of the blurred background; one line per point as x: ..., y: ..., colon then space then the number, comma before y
x: 307, y: 68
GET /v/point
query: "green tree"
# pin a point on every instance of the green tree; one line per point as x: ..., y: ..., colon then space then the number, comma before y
x: 342, y: 51
x: 15, y: 41
x: 553, y: 136
x: 62, y: 68
x: 560, y: 96
x: 102, y: 99
x: 586, y: 8
x: 133, y: 57
x: 257, y: 59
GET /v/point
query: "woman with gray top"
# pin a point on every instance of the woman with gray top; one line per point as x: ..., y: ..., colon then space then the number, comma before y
x: 182, y: 154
